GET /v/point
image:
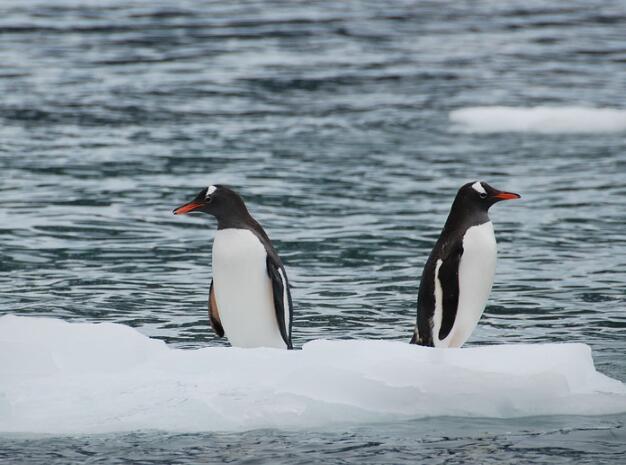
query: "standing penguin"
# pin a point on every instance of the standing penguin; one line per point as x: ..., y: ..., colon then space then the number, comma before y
x: 458, y: 275
x: 249, y: 298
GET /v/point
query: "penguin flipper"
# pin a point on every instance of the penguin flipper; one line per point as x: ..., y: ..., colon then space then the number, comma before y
x: 214, y: 315
x: 282, y: 298
x: 449, y: 280
x: 422, y: 333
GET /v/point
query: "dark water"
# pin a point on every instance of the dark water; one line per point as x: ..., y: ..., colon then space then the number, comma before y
x: 557, y: 440
x: 331, y: 118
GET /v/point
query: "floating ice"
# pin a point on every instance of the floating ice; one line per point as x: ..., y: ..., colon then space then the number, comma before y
x: 57, y: 377
x: 539, y: 119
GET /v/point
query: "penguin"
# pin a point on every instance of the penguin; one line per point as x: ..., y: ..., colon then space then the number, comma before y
x: 249, y: 298
x: 458, y: 274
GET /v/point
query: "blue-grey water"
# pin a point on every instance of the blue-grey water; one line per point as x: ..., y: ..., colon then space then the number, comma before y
x: 331, y: 118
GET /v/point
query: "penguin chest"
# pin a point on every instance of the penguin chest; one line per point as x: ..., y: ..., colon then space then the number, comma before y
x: 476, y: 271
x: 243, y: 290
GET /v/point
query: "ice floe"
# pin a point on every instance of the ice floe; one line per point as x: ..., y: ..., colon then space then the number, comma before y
x: 58, y: 377
x: 545, y: 120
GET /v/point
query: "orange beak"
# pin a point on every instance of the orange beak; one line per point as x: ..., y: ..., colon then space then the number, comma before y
x: 188, y: 207
x: 507, y: 196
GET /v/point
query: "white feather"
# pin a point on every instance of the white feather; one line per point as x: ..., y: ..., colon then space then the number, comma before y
x: 478, y: 187
x: 243, y: 290
x: 210, y: 190
x: 476, y: 271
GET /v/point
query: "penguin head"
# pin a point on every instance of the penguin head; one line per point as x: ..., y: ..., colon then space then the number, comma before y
x: 481, y: 195
x: 218, y: 201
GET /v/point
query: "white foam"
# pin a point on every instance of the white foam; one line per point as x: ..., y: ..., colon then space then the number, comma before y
x: 61, y: 378
x: 539, y: 119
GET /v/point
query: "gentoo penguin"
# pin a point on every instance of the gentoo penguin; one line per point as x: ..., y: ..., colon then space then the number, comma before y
x: 249, y: 298
x: 458, y: 274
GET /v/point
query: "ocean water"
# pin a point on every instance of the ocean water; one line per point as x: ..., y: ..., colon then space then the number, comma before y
x: 339, y: 124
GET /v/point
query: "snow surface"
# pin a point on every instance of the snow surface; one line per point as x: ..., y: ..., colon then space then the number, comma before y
x: 539, y: 119
x: 58, y: 377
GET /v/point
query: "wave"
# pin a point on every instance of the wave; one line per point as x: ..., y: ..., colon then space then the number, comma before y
x: 547, y: 120
x: 77, y: 378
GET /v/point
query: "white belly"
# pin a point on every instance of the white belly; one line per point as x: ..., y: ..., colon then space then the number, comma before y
x: 476, y: 272
x: 243, y: 290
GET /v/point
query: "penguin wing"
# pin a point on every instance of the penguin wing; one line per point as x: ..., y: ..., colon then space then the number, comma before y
x: 214, y: 315
x: 448, y: 277
x: 282, y: 297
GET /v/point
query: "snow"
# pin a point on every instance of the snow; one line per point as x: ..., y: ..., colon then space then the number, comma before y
x: 76, y: 378
x: 547, y: 120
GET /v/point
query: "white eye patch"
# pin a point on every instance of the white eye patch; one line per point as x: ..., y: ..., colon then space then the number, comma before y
x: 478, y: 187
x: 210, y: 190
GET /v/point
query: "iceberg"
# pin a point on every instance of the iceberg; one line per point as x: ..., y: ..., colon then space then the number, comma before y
x: 80, y: 378
x: 546, y: 120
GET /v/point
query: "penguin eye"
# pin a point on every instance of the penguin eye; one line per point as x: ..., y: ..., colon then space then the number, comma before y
x: 483, y: 195
x: 208, y: 199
